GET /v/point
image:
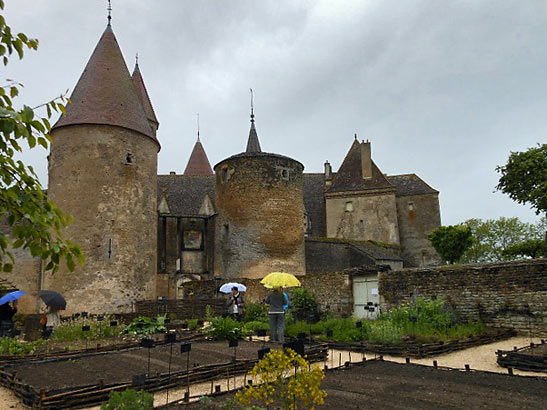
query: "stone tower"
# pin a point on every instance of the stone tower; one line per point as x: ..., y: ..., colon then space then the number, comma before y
x: 103, y: 171
x: 260, y: 213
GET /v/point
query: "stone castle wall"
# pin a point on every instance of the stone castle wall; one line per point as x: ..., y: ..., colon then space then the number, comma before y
x: 371, y: 216
x: 417, y: 216
x: 512, y: 294
x: 106, y: 178
x: 260, y: 221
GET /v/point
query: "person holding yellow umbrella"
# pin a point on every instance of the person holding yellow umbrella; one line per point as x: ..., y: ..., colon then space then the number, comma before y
x: 276, y: 301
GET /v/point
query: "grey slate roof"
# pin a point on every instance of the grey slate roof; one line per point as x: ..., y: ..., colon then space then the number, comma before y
x: 410, y: 184
x: 314, y: 201
x: 185, y: 193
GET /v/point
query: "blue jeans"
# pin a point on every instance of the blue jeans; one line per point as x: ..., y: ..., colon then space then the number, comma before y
x: 277, y: 327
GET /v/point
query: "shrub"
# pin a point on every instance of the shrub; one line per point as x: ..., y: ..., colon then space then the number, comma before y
x: 12, y: 346
x: 193, y: 324
x: 129, y: 400
x: 280, y: 386
x: 251, y: 328
x: 225, y: 328
x: 256, y: 312
x: 145, y: 326
x: 303, y: 305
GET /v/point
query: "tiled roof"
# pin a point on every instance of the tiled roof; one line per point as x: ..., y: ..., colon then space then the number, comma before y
x: 350, y: 175
x: 198, y: 164
x: 142, y: 93
x: 185, y: 193
x: 314, y: 201
x: 410, y: 184
x: 105, y: 93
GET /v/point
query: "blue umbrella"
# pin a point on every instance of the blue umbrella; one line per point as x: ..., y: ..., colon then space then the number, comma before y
x: 10, y: 297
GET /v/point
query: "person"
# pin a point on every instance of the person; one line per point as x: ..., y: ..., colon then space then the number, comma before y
x: 52, y: 319
x: 276, y: 313
x: 236, y: 304
x: 7, y: 311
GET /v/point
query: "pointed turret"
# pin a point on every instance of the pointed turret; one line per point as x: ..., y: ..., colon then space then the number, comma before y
x: 253, y: 145
x: 198, y: 164
x: 140, y: 88
x: 105, y: 93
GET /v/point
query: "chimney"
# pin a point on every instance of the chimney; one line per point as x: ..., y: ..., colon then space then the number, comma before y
x: 366, y: 160
x: 328, y: 171
x: 172, y: 173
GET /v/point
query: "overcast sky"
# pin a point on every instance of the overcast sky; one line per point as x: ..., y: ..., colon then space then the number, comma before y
x: 443, y: 89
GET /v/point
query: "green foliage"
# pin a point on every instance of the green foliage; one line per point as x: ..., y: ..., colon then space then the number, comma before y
x: 303, y: 304
x: 145, y: 326
x: 209, y: 313
x: 531, y: 248
x: 12, y: 346
x: 524, y: 177
x: 72, y: 330
x: 451, y: 242
x: 225, y: 328
x: 492, y: 237
x: 256, y: 312
x: 193, y: 324
x: 35, y: 223
x: 251, y: 328
x: 129, y: 400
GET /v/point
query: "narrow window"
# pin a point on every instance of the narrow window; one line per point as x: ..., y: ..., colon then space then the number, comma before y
x: 349, y: 206
x: 129, y: 158
x: 411, y: 206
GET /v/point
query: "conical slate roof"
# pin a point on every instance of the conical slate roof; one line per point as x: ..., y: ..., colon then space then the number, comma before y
x: 105, y: 93
x: 253, y: 145
x: 198, y: 164
x: 350, y: 175
x: 144, y: 98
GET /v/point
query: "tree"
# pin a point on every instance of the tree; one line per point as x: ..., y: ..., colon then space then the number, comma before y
x: 493, y: 236
x: 524, y: 179
x: 451, y: 242
x: 29, y: 220
x: 532, y: 248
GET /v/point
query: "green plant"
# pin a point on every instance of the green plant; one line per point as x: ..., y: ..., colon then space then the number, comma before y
x: 251, y: 328
x: 225, y: 328
x: 145, y: 326
x: 12, y: 346
x: 193, y: 324
x: 209, y: 313
x: 286, y: 381
x: 129, y: 400
x: 72, y: 330
x: 303, y: 305
x: 451, y: 242
x: 256, y: 312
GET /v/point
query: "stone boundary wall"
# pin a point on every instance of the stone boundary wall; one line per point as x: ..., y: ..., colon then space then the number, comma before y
x: 511, y: 294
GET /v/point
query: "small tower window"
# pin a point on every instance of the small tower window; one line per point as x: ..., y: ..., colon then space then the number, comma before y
x: 129, y: 158
x: 411, y: 206
x: 349, y: 206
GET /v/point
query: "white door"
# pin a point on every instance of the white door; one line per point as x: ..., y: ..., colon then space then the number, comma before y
x: 365, y: 296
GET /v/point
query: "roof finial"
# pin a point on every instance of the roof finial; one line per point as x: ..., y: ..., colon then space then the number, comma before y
x: 355, y: 135
x: 109, y: 12
x: 137, y: 59
x: 252, y: 107
x: 198, y: 126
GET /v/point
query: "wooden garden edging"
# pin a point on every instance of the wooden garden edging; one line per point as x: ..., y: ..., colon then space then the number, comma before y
x: 523, y: 358
x: 422, y: 350
x: 88, y: 395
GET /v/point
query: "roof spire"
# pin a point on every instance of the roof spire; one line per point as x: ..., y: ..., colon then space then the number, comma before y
x: 136, y: 59
x: 198, y: 126
x: 252, y: 143
x: 252, y: 107
x: 109, y: 12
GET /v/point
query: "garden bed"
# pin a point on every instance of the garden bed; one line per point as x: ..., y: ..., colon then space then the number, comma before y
x: 89, y: 379
x: 392, y: 386
x: 531, y: 358
x: 421, y: 350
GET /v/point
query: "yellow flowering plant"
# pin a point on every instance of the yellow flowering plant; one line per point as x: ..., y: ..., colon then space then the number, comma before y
x: 284, y: 379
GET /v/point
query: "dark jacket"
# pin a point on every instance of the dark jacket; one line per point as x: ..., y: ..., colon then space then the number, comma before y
x: 240, y: 303
x: 7, y: 312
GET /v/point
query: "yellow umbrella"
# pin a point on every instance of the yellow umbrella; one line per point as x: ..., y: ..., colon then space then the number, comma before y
x: 276, y: 279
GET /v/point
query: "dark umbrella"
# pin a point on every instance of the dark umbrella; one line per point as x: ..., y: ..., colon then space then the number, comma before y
x: 53, y: 299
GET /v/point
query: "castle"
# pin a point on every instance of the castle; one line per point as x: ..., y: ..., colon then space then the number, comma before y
x: 145, y: 235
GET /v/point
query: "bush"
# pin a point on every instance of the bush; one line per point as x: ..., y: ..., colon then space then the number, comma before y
x: 251, y: 328
x: 225, y: 328
x: 129, y: 400
x: 303, y: 305
x: 71, y: 330
x: 256, y: 312
x: 145, y: 326
x: 193, y: 324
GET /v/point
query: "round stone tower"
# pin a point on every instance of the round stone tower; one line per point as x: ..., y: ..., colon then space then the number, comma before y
x: 103, y: 172
x: 260, y: 220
